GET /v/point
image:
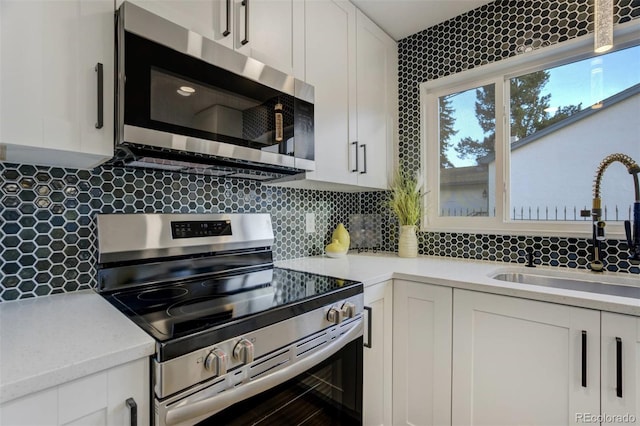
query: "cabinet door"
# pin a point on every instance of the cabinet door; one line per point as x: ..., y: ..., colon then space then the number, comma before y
x: 40, y: 408
x: 270, y: 31
x: 378, y: 351
x: 330, y: 67
x: 96, y: 46
x: 49, y: 103
x: 519, y: 361
x: 210, y: 18
x: 620, y: 368
x: 376, y: 102
x: 422, y: 354
x: 126, y: 381
x: 265, y: 31
x: 99, y: 399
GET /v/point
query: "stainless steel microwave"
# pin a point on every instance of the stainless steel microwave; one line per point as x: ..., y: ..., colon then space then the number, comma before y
x: 187, y: 103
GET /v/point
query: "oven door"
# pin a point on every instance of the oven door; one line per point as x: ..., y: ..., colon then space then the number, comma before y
x: 321, y: 387
x: 329, y: 393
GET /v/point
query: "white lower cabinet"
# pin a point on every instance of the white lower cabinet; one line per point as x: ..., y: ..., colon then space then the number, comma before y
x: 378, y: 348
x: 464, y: 357
x: 518, y: 361
x: 95, y: 400
x: 620, y: 375
x: 421, y: 354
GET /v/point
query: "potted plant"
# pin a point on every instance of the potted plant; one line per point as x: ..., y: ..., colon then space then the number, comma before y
x: 405, y: 201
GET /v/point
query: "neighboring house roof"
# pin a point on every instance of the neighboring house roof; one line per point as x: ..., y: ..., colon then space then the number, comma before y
x: 585, y: 113
x: 463, y: 176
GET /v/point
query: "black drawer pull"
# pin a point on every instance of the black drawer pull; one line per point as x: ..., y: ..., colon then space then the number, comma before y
x: 584, y: 359
x: 133, y: 409
x: 367, y: 344
x: 618, y: 367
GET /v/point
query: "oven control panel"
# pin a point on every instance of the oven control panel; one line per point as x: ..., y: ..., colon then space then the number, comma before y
x: 197, y: 229
x: 262, y: 350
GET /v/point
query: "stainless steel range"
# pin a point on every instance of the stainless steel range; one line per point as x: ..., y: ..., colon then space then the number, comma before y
x: 238, y: 341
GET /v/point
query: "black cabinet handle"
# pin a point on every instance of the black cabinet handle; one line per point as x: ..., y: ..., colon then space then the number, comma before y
x: 356, y: 145
x: 245, y: 3
x: 100, y: 97
x: 364, y: 154
x: 369, y: 313
x: 226, y: 32
x: 584, y: 359
x: 133, y: 409
x: 619, y: 367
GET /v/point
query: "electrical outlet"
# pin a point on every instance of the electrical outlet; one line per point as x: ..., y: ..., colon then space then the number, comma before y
x: 310, y: 222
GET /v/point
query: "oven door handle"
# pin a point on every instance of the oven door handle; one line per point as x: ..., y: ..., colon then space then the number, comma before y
x: 195, y: 407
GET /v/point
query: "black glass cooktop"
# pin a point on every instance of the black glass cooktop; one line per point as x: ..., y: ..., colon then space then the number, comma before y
x: 186, y: 315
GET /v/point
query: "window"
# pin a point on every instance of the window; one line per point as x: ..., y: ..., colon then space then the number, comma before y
x: 518, y: 151
x: 464, y: 176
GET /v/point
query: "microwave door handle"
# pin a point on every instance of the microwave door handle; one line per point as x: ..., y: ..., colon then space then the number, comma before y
x: 245, y: 3
x: 198, y: 405
x: 228, y: 13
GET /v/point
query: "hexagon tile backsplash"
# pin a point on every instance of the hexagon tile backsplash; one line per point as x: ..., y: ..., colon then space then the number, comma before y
x: 47, y: 242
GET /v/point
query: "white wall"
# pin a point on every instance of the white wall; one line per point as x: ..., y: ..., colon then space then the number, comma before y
x: 558, y: 170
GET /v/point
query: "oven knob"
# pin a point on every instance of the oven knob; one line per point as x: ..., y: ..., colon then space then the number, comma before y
x: 216, y: 362
x: 334, y: 315
x: 348, y: 310
x: 243, y: 351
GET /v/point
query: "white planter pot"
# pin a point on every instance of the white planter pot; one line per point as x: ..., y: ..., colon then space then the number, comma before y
x: 408, y: 241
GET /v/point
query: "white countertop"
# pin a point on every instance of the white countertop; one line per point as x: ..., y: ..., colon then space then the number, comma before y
x: 47, y: 341
x: 371, y: 268
x: 51, y: 340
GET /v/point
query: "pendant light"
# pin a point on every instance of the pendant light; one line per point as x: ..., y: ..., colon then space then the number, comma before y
x: 603, y: 25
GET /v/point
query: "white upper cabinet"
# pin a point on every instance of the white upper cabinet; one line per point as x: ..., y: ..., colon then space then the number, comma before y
x: 331, y: 68
x: 270, y: 31
x: 352, y: 65
x: 50, y: 109
x: 377, y: 104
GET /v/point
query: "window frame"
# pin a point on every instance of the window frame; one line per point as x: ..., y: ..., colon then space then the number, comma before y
x: 499, y: 73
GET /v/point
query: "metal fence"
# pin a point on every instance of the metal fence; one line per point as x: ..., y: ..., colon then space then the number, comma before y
x: 537, y: 213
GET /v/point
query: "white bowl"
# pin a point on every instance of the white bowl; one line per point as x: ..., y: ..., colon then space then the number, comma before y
x: 335, y: 254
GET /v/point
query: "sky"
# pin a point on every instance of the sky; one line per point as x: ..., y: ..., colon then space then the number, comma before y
x: 586, y: 82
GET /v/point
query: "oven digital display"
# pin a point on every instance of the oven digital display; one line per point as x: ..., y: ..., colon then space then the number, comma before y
x: 196, y: 229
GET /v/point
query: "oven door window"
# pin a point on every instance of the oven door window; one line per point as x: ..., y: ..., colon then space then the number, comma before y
x: 328, y: 394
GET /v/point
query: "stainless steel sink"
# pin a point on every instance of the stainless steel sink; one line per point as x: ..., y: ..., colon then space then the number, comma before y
x: 615, y: 286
